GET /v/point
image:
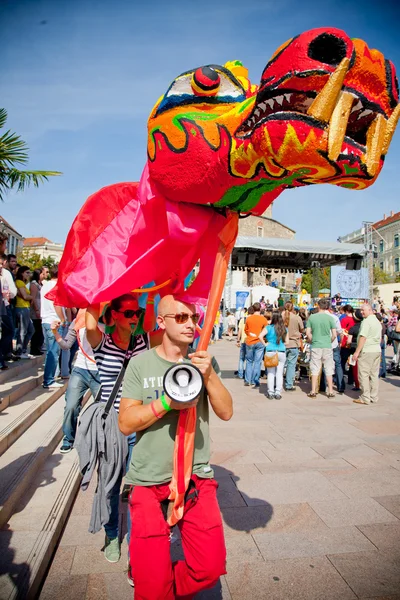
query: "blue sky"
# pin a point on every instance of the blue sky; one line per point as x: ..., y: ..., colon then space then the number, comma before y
x: 79, y: 78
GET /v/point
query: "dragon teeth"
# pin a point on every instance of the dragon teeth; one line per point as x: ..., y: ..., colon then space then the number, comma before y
x: 365, y: 113
x: 279, y: 100
x: 325, y: 102
x: 263, y: 106
x: 390, y: 129
x: 375, y: 144
x: 338, y: 124
x: 358, y: 106
x: 288, y: 96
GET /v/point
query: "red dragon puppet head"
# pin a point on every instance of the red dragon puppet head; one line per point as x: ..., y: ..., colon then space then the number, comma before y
x: 324, y: 112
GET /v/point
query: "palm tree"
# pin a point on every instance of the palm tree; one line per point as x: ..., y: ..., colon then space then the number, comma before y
x: 13, y: 151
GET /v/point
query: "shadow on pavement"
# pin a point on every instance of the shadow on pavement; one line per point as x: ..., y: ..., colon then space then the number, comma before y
x: 238, y: 517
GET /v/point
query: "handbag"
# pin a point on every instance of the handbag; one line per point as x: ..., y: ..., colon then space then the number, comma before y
x: 271, y: 361
x: 392, y: 334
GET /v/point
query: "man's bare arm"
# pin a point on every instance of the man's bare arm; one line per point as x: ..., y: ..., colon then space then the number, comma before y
x: 135, y: 416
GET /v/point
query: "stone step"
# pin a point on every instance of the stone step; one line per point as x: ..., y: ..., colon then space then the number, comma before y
x: 25, y: 381
x: 26, y: 456
x: 28, y: 540
x: 20, y: 366
x: 20, y: 415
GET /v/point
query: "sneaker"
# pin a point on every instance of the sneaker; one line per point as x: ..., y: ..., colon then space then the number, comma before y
x: 12, y: 357
x: 290, y: 389
x: 25, y: 356
x: 4, y: 367
x: 270, y: 396
x: 112, y: 550
x: 245, y: 383
x: 53, y: 386
x: 255, y: 386
x: 129, y: 576
x: 277, y: 397
x: 65, y: 448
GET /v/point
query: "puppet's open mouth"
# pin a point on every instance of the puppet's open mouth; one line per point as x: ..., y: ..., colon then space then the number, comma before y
x: 359, y: 118
x: 343, y: 112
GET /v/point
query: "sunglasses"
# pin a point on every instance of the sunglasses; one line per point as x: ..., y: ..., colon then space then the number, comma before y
x: 128, y: 314
x: 181, y: 318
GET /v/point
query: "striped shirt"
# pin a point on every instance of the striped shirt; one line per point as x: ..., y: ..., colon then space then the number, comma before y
x: 109, y: 359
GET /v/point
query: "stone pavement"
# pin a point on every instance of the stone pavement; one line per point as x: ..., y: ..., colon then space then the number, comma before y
x: 310, y: 496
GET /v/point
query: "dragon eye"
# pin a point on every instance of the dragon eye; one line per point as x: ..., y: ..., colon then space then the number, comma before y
x: 212, y: 84
x: 327, y: 48
x: 205, y: 81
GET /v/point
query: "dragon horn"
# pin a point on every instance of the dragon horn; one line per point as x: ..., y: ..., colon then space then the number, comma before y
x: 390, y: 128
x: 323, y: 105
x: 338, y: 124
x: 375, y: 141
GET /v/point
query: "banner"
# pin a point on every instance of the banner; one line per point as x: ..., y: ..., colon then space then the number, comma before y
x: 241, y: 298
x: 349, y: 284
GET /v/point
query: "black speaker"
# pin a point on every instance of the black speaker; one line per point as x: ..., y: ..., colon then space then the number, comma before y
x: 353, y: 264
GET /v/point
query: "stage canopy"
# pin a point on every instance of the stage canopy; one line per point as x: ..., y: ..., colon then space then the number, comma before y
x: 281, y: 253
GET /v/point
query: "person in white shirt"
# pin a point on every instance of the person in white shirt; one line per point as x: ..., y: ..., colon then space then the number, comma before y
x: 50, y: 313
x: 84, y: 377
x: 9, y: 291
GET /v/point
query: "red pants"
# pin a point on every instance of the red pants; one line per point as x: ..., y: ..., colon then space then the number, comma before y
x: 156, y: 578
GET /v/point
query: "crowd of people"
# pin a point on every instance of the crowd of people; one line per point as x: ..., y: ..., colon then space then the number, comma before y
x: 333, y: 343
x: 336, y: 345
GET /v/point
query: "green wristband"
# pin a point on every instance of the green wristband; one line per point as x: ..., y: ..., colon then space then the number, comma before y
x: 165, y: 403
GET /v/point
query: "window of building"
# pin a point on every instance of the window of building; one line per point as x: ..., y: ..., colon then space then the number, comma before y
x: 260, y: 232
x: 397, y: 264
x: 283, y: 282
x: 396, y: 240
x: 381, y: 246
x: 381, y: 266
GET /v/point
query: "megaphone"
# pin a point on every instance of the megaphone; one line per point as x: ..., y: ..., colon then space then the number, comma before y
x: 183, y: 382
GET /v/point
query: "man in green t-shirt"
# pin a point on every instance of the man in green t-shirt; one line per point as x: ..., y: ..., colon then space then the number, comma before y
x: 368, y: 355
x: 146, y: 410
x: 321, y: 331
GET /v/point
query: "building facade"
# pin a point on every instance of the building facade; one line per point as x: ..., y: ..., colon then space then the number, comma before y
x: 15, y: 239
x: 44, y: 247
x: 265, y: 226
x: 386, y: 242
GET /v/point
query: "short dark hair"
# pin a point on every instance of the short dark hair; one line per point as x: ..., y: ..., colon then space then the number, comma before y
x: 348, y: 308
x: 324, y: 303
x: 10, y: 256
x: 257, y: 306
x: 250, y: 310
x: 54, y: 272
